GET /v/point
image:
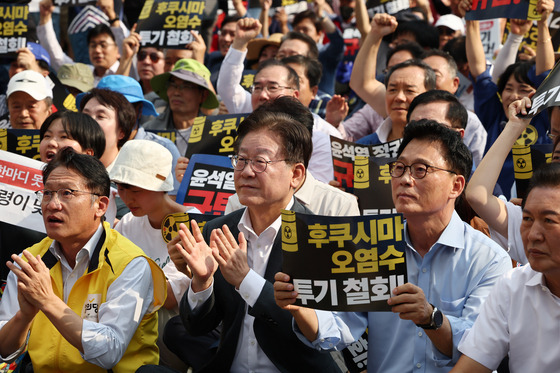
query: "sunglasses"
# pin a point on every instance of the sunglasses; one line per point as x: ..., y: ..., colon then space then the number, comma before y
x: 153, y: 56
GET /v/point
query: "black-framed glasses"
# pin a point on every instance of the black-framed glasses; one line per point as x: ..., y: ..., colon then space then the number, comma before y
x: 418, y: 170
x: 258, y: 164
x: 63, y: 194
x: 269, y: 87
x: 154, y: 56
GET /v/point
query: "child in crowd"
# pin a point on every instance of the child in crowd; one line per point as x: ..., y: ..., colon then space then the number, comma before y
x: 143, y: 174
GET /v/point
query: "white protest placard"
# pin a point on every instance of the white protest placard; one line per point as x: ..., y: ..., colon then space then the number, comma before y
x: 20, y: 177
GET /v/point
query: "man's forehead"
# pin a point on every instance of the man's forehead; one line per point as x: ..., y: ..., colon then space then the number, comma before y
x: 410, y: 75
x: 63, y: 175
x: 229, y: 26
x: 272, y: 74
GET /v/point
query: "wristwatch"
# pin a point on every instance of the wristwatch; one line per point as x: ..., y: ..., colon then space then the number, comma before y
x: 436, y: 320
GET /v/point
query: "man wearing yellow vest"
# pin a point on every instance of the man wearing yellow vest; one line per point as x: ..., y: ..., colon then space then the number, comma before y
x: 85, y: 298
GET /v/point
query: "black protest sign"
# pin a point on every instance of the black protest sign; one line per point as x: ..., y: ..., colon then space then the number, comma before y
x: 74, y: 2
x: 357, y: 261
x: 170, y: 224
x: 22, y: 142
x: 547, y: 94
x: 13, y: 30
x: 526, y: 159
x: 344, y: 152
x: 214, y: 134
x: 517, y: 9
x: 207, y: 184
x: 386, y: 6
x: 372, y: 185
x: 355, y: 355
x: 167, y: 23
x: 247, y: 79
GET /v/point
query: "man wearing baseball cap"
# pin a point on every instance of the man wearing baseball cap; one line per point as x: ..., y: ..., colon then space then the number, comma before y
x: 449, y: 26
x: 29, y: 100
x: 187, y: 89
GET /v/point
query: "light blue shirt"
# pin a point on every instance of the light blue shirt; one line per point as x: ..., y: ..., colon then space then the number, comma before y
x: 456, y: 275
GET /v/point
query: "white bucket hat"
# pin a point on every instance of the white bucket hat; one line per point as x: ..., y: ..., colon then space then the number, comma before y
x: 144, y: 164
x: 30, y: 82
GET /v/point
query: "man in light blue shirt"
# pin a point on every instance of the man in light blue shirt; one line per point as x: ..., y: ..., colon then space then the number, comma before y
x: 451, y: 267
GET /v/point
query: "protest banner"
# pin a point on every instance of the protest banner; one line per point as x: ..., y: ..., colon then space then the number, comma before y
x: 547, y: 95
x: 22, y: 142
x: 344, y: 152
x: 170, y: 224
x: 355, y: 355
x: 490, y: 31
x: 20, y: 178
x: 357, y: 261
x: 13, y: 30
x: 207, y: 184
x: 290, y: 7
x: 168, y: 23
x: 386, y: 6
x: 527, y: 159
x: 214, y: 134
x: 489, y: 9
x: 372, y: 185
x: 247, y: 79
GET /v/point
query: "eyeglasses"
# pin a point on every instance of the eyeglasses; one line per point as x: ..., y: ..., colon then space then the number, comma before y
x: 104, y: 45
x: 417, y: 170
x: 64, y: 194
x: 258, y: 165
x: 154, y: 57
x: 270, y: 87
x: 182, y: 87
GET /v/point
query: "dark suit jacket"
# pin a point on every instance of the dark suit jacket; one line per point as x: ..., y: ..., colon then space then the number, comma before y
x: 272, y: 326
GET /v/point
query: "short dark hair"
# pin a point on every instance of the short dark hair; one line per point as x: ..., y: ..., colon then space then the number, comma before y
x: 100, y: 29
x: 126, y: 115
x: 451, y: 64
x: 291, y: 106
x: 429, y: 74
x: 81, y: 128
x: 312, y: 16
x: 293, y: 35
x: 90, y: 168
x: 292, y: 75
x: 519, y: 71
x: 456, y: 49
x: 229, y: 19
x: 456, y: 113
x: 455, y: 152
x: 313, y: 69
x: 426, y: 35
x: 296, y: 138
x: 413, y: 48
x: 546, y: 176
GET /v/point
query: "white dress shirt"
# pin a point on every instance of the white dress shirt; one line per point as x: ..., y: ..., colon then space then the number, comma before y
x: 249, y: 356
x: 520, y: 317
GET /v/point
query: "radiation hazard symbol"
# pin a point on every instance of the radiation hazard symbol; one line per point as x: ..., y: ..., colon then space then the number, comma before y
x: 170, y: 225
x: 528, y: 137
